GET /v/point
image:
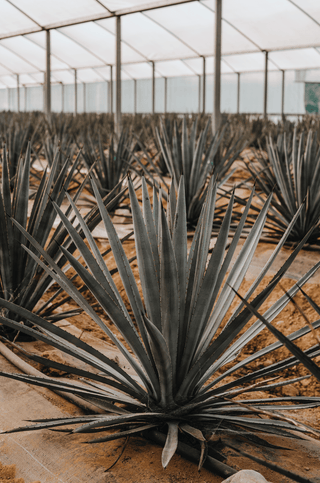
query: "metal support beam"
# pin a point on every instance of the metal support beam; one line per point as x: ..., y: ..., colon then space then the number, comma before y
x: 216, y: 118
x: 75, y: 92
x: 84, y: 97
x: 204, y: 85
x: 153, y: 98
x: 47, y: 89
x: 25, y: 98
x: 111, y: 91
x: 265, y: 97
x: 282, y: 94
x: 62, y: 97
x: 199, y: 94
x: 118, y: 78
x: 18, y: 93
x: 165, y: 95
x: 238, y: 92
x: 134, y: 96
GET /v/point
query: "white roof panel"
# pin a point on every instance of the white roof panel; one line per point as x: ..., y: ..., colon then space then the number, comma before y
x: 27, y: 79
x: 275, y: 24
x: 196, y: 65
x: 89, y: 75
x: 296, y: 59
x: 174, y: 37
x: 128, y: 54
x: 11, y: 20
x: 51, y: 12
x: 71, y: 52
x: 9, y: 81
x: 172, y: 68
x: 310, y: 7
x: 142, y: 70
x: 153, y: 41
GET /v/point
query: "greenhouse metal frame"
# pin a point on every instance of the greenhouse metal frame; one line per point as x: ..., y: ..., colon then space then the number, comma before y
x: 84, y: 40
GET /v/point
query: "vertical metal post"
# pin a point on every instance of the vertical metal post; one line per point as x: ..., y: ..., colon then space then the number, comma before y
x: 111, y: 91
x: 134, y: 96
x: 238, y: 92
x: 153, y: 98
x: 165, y: 95
x: 25, y: 98
x: 265, y: 98
x: 62, y: 97
x: 75, y: 92
x: 203, y: 85
x: 216, y: 119
x: 282, y: 94
x: 18, y: 93
x: 199, y: 94
x: 47, y: 90
x: 118, y: 77
x: 84, y: 97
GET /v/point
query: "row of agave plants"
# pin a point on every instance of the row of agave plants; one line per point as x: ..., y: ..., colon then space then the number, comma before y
x: 178, y: 341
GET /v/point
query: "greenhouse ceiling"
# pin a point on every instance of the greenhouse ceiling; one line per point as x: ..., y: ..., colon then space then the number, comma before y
x: 176, y: 35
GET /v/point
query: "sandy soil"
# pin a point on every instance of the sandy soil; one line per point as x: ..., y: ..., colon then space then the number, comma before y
x: 141, y: 460
x: 8, y: 474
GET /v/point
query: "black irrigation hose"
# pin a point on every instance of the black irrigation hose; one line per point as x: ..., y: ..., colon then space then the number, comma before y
x: 192, y: 454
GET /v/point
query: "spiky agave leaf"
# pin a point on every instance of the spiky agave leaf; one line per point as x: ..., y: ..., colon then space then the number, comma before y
x: 291, y: 172
x: 176, y: 338
x: 191, y: 155
x: 109, y: 166
x: 21, y: 278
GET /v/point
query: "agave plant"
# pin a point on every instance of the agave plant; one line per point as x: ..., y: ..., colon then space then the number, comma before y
x: 292, y: 173
x: 175, y: 343
x: 109, y: 168
x: 187, y: 155
x: 16, y: 138
x: 22, y: 280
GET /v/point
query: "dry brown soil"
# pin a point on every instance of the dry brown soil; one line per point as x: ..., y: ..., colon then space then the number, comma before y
x: 8, y: 474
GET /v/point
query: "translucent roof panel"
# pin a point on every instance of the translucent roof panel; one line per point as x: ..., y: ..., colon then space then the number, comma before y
x: 9, y: 81
x: 151, y: 40
x: 71, y: 52
x: 310, y: 7
x: 108, y: 47
x: 11, y: 20
x: 174, y: 36
x: 28, y: 79
x: 195, y: 28
x: 248, y: 62
x: 89, y: 75
x: 118, y: 5
x: 30, y: 51
x: 274, y: 24
x: 197, y: 65
x: 64, y: 76
x: 296, y: 59
x: 104, y: 72
x: 15, y: 63
x: 4, y: 70
x: 174, y: 68
x: 138, y: 71
x: 57, y: 11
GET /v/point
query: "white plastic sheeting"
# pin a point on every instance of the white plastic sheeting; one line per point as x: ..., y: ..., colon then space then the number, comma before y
x: 175, y: 37
x: 183, y: 94
x: 174, y: 34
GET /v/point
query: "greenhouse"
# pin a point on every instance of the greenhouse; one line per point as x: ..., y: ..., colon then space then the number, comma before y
x: 166, y: 65
x: 159, y: 241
